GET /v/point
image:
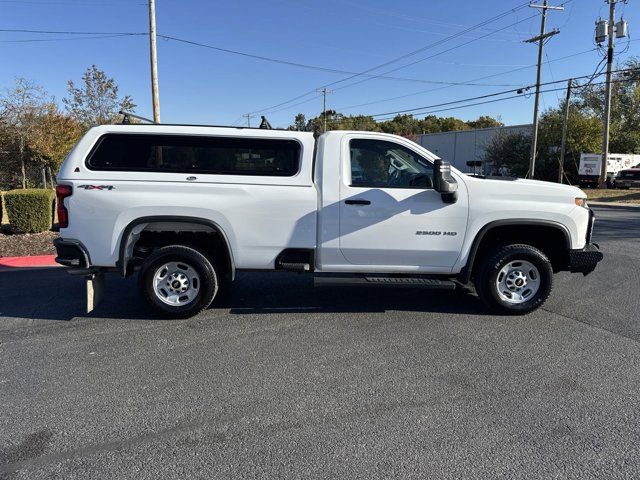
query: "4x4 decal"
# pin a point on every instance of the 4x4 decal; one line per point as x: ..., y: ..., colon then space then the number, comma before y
x: 97, y: 187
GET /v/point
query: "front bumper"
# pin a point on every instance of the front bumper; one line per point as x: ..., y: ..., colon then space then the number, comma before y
x: 71, y: 253
x: 584, y: 260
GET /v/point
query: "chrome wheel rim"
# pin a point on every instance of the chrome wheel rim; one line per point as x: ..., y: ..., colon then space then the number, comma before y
x: 176, y: 283
x: 518, y: 282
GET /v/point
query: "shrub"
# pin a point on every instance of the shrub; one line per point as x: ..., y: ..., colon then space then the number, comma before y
x: 30, y: 210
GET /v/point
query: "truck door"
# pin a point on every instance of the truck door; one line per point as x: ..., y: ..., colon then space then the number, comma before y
x: 390, y: 215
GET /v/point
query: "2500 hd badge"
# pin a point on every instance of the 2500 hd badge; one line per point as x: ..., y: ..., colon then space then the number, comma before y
x: 435, y: 232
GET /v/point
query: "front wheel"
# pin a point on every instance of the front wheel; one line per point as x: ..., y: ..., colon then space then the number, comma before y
x: 178, y: 281
x: 514, y: 279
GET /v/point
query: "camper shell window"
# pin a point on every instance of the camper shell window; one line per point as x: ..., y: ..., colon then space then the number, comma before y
x: 196, y: 154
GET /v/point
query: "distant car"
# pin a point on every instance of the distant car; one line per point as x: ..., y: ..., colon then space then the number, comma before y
x: 628, y: 178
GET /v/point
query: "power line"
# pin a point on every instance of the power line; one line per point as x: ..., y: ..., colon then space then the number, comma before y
x: 66, y: 32
x: 437, y: 43
x: 501, y: 15
x: 475, y: 104
x: 71, y: 4
x: 90, y: 37
x: 401, y: 57
x: 304, y: 65
x: 596, y: 73
x: 520, y: 91
x: 438, y: 53
x: 524, y: 67
x: 235, y: 52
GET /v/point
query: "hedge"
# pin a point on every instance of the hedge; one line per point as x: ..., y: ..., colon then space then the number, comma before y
x: 30, y: 210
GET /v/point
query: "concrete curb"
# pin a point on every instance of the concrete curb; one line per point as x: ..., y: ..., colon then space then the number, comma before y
x: 28, y: 262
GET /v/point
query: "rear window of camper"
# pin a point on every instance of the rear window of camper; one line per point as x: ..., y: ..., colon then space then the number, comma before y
x: 195, y: 154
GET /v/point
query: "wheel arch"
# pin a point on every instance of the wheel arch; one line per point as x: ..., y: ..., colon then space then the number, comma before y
x: 131, y: 234
x: 498, y: 225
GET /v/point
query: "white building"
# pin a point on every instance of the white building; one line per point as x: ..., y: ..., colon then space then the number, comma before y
x: 464, y: 149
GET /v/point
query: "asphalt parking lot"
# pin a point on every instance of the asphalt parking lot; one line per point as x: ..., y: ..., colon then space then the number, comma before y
x: 284, y: 380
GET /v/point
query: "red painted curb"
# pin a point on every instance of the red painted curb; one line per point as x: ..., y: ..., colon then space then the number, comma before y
x: 33, y: 261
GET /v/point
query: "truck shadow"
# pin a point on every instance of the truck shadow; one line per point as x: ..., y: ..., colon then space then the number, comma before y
x: 293, y: 293
x: 52, y: 294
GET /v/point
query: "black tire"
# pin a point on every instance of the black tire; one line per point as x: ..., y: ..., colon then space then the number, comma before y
x: 204, y: 286
x: 486, y: 280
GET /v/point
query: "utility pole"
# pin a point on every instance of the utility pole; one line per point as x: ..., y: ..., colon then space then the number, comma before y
x: 248, y: 116
x: 565, y: 125
x: 324, y: 92
x: 540, y: 40
x: 154, y: 61
x: 607, y: 98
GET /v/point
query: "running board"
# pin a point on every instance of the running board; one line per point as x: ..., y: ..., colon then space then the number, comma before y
x: 418, y: 282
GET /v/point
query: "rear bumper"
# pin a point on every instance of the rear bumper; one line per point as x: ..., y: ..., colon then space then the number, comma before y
x: 585, y: 260
x: 590, y: 180
x: 71, y: 253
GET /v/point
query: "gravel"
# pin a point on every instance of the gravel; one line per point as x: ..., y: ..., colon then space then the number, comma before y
x: 27, y: 244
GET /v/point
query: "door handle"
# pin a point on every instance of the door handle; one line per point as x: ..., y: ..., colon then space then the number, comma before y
x: 357, y: 202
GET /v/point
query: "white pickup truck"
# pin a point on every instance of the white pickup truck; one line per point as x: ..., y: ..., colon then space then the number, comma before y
x: 189, y: 206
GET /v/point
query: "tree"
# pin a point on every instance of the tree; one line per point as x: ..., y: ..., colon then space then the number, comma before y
x: 299, y: 124
x: 96, y: 102
x: 449, y: 124
x: 435, y: 124
x: 513, y: 151
x: 404, y: 125
x: 485, y: 121
x: 20, y: 109
x: 54, y: 137
x: 9, y: 157
x: 510, y: 152
x: 584, y: 134
x: 625, y: 107
x: 338, y: 121
x: 357, y: 122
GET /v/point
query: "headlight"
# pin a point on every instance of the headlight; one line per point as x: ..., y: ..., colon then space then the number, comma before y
x: 581, y: 202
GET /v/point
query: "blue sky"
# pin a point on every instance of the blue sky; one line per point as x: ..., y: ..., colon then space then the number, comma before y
x: 199, y: 85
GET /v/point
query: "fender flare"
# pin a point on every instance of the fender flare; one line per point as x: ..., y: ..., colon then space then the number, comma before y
x: 465, y: 273
x: 127, y: 237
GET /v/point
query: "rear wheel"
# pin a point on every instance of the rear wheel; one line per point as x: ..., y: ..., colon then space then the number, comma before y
x: 178, y: 281
x: 514, y: 279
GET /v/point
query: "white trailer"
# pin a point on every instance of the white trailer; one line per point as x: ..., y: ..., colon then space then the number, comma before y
x: 589, y: 168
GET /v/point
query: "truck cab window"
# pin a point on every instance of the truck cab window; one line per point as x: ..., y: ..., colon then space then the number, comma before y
x: 382, y: 164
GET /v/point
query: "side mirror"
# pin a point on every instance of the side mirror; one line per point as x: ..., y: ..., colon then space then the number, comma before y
x: 444, y: 182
